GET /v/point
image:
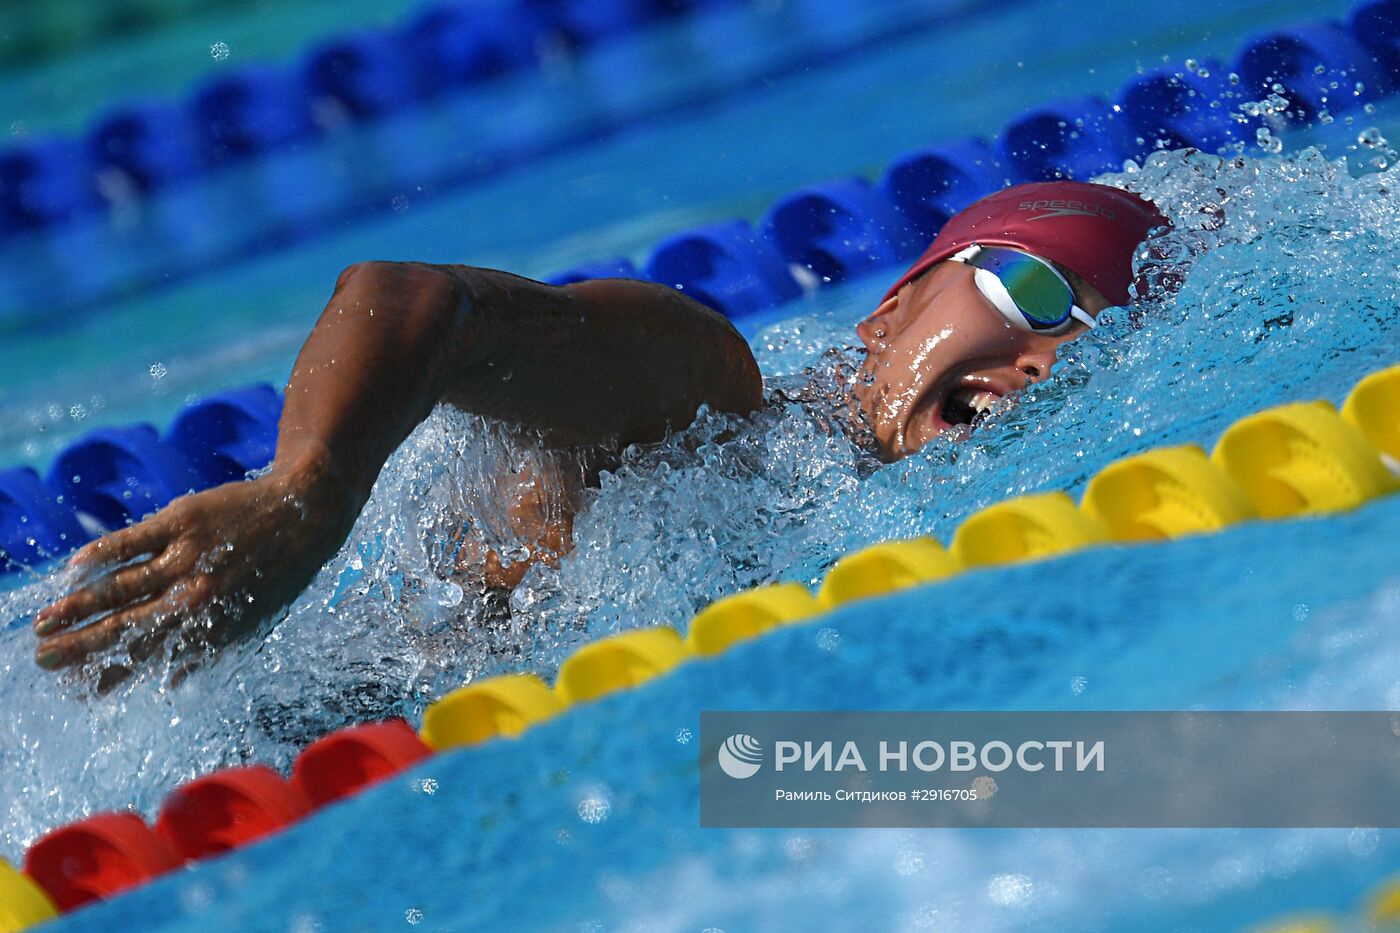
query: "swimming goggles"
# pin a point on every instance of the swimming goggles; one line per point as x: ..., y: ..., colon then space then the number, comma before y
x: 1027, y: 290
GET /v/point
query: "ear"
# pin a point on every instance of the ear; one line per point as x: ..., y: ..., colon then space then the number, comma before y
x: 879, y: 319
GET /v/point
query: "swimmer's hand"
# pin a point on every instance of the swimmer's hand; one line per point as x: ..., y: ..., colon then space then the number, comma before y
x: 211, y: 566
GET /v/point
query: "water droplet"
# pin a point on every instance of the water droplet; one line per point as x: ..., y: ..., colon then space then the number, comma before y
x: 1363, y: 841
x: 157, y: 370
x: 1371, y: 137
x: 1078, y: 684
x: 1010, y: 890
x: 683, y: 736
x: 413, y: 915
x: 219, y: 51
x: 594, y: 810
x: 449, y: 594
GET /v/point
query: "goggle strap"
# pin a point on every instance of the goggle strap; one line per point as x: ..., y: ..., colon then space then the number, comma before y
x: 1082, y: 316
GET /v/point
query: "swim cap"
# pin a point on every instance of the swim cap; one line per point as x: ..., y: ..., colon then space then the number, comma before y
x: 1092, y: 230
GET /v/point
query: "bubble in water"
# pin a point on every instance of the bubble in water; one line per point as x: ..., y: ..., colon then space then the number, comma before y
x: 1300, y: 612
x: 428, y: 786
x: 157, y: 371
x: 909, y: 860
x: 219, y: 51
x: 1363, y: 841
x: 594, y: 810
x: 196, y: 897
x: 798, y: 848
x: 1078, y: 684
x: 450, y: 594
x: 413, y: 915
x: 1010, y: 890
x: 305, y: 923
x: 683, y: 736
x: 1371, y: 137
x: 828, y: 639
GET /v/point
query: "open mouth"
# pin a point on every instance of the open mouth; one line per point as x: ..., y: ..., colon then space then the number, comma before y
x: 968, y: 405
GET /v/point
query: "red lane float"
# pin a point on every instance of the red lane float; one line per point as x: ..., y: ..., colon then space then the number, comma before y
x: 346, y: 761
x: 228, y: 809
x: 96, y: 857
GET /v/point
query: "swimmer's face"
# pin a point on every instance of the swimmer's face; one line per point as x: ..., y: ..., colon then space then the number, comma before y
x: 940, y: 354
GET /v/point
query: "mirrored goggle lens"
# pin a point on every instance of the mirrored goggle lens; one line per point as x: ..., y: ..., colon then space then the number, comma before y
x: 1039, y: 293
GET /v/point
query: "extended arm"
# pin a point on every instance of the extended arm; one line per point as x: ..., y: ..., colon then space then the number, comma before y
x: 605, y: 362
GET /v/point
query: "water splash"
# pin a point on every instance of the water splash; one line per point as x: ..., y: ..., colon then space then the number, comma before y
x: 1279, y: 282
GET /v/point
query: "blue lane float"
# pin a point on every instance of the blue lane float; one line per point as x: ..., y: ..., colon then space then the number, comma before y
x: 369, y: 75
x: 729, y: 266
x: 117, y: 475
x: 35, y: 524
x: 456, y: 46
x: 228, y: 435
x: 366, y: 74
x: 1077, y: 138
x: 44, y: 183
x: 249, y: 111
x: 930, y: 185
x: 1376, y: 25
x: 840, y: 230
x: 1171, y: 109
x: 1319, y: 66
x: 151, y: 144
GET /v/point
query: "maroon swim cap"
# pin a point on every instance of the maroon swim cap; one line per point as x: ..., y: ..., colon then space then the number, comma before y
x: 1092, y: 230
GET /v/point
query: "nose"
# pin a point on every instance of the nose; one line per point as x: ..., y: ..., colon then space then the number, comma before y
x: 1036, y: 362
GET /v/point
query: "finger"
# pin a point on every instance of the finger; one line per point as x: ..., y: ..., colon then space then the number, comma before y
x: 118, y: 547
x: 110, y: 591
x: 154, y: 614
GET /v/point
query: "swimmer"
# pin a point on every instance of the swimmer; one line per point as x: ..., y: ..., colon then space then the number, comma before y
x: 596, y: 365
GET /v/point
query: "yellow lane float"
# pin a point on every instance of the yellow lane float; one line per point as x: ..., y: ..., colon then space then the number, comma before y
x: 619, y: 662
x: 1165, y: 493
x: 1302, y: 459
x: 747, y: 615
x: 501, y: 706
x: 885, y: 568
x: 1025, y: 528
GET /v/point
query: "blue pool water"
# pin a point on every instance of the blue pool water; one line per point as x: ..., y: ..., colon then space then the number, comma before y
x: 590, y: 822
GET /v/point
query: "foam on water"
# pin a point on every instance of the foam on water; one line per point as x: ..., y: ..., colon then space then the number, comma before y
x: 1293, y: 286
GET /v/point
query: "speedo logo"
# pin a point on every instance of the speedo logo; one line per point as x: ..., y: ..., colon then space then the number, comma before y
x: 1062, y: 208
